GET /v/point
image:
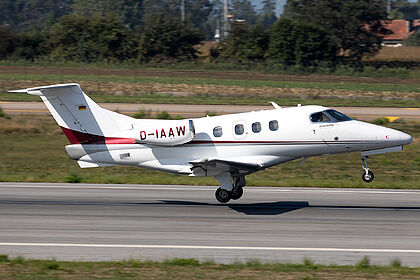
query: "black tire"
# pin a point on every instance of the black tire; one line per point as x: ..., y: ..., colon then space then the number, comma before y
x: 368, y: 177
x: 237, y: 193
x: 222, y: 195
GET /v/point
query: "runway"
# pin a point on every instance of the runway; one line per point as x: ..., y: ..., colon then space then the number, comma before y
x: 114, y: 222
x: 185, y: 110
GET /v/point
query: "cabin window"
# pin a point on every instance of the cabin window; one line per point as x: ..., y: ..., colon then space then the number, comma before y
x: 273, y: 125
x: 217, y: 131
x: 320, y: 117
x: 239, y: 129
x: 256, y: 127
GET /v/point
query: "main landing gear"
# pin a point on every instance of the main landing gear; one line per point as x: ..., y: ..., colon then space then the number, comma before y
x: 222, y: 195
x: 367, y: 175
x: 231, y: 188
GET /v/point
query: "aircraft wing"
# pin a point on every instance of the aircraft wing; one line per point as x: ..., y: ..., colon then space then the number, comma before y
x: 209, y: 166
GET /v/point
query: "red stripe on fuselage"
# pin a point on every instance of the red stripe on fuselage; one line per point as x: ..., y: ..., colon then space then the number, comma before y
x: 277, y: 142
x: 77, y: 137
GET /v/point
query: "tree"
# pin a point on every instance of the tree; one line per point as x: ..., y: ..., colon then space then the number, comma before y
x: 30, y: 45
x: 165, y: 38
x: 282, y: 45
x: 403, y: 9
x: 26, y: 45
x: 299, y: 43
x: 26, y: 14
x: 7, y: 43
x: 267, y: 17
x: 244, y: 43
x: 354, y: 26
x: 244, y: 10
x: 152, y: 8
x: 312, y: 45
x: 198, y: 13
x: 268, y: 6
x: 89, y: 39
x: 129, y: 12
x: 413, y: 40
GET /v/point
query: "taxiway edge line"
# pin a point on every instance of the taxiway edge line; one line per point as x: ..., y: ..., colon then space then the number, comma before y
x: 134, y: 246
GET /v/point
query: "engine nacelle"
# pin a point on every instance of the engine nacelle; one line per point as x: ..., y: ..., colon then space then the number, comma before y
x: 166, y: 133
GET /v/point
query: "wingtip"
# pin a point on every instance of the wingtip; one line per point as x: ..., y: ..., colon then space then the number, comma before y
x: 275, y: 105
x: 19, y: 90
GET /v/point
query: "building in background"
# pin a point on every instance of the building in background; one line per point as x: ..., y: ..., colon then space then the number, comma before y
x: 401, y: 30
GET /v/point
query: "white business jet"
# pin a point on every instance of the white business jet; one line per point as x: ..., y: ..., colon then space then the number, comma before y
x: 227, y: 147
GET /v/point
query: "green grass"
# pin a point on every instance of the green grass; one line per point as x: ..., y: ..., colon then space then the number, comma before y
x: 201, y: 99
x: 241, y: 89
x: 250, y: 67
x: 217, y: 82
x: 32, y: 150
x: 20, y: 268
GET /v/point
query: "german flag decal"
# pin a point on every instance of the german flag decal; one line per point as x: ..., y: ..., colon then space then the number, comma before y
x: 82, y: 107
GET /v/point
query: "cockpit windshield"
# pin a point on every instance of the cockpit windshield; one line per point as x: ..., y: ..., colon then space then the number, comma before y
x: 329, y: 116
x: 338, y: 116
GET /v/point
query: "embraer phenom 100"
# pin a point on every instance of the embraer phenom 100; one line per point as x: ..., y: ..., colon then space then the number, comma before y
x: 227, y: 147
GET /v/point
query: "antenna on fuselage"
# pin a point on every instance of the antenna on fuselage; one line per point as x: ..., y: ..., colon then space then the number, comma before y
x: 275, y: 105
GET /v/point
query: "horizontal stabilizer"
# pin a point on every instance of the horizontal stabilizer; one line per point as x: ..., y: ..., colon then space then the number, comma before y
x: 52, y: 90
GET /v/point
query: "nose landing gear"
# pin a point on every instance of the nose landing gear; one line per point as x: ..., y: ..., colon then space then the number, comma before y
x: 367, y: 175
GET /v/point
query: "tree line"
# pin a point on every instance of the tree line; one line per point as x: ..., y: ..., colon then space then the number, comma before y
x: 102, y: 38
x: 23, y: 15
x: 309, y: 33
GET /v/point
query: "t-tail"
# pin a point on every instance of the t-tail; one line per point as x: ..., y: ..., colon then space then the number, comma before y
x: 81, y: 119
x: 97, y: 135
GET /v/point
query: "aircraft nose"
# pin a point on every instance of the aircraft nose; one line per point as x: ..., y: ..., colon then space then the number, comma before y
x: 395, y: 137
x: 405, y: 138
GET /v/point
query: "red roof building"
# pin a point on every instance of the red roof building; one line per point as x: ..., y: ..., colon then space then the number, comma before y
x: 401, y: 30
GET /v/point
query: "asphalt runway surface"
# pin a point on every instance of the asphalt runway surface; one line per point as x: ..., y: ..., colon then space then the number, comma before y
x: 114, y: 222
x: 184, y: 110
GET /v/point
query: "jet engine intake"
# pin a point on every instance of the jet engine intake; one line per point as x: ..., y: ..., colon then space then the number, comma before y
x: 169, y: 133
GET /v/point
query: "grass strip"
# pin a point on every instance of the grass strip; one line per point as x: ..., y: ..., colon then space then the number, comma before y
x: 200, y: 99
x: 32, y: 150
x: 211, y: 81
x: 20, y: 268
x: 369, y: 71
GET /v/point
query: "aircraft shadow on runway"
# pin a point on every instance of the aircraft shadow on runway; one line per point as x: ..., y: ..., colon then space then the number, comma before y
x: 281, y: 207
x: 263, y: 208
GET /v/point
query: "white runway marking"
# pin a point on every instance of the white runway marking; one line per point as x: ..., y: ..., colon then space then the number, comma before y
x: 198, y: 188
x: 134, y: 246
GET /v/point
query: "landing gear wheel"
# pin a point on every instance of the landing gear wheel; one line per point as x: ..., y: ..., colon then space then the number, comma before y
x: 368, y: 177
x: 237, y: 193
x: 222, y: 195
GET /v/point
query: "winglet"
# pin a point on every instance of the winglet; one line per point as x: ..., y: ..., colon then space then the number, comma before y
x: 275, y: 105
